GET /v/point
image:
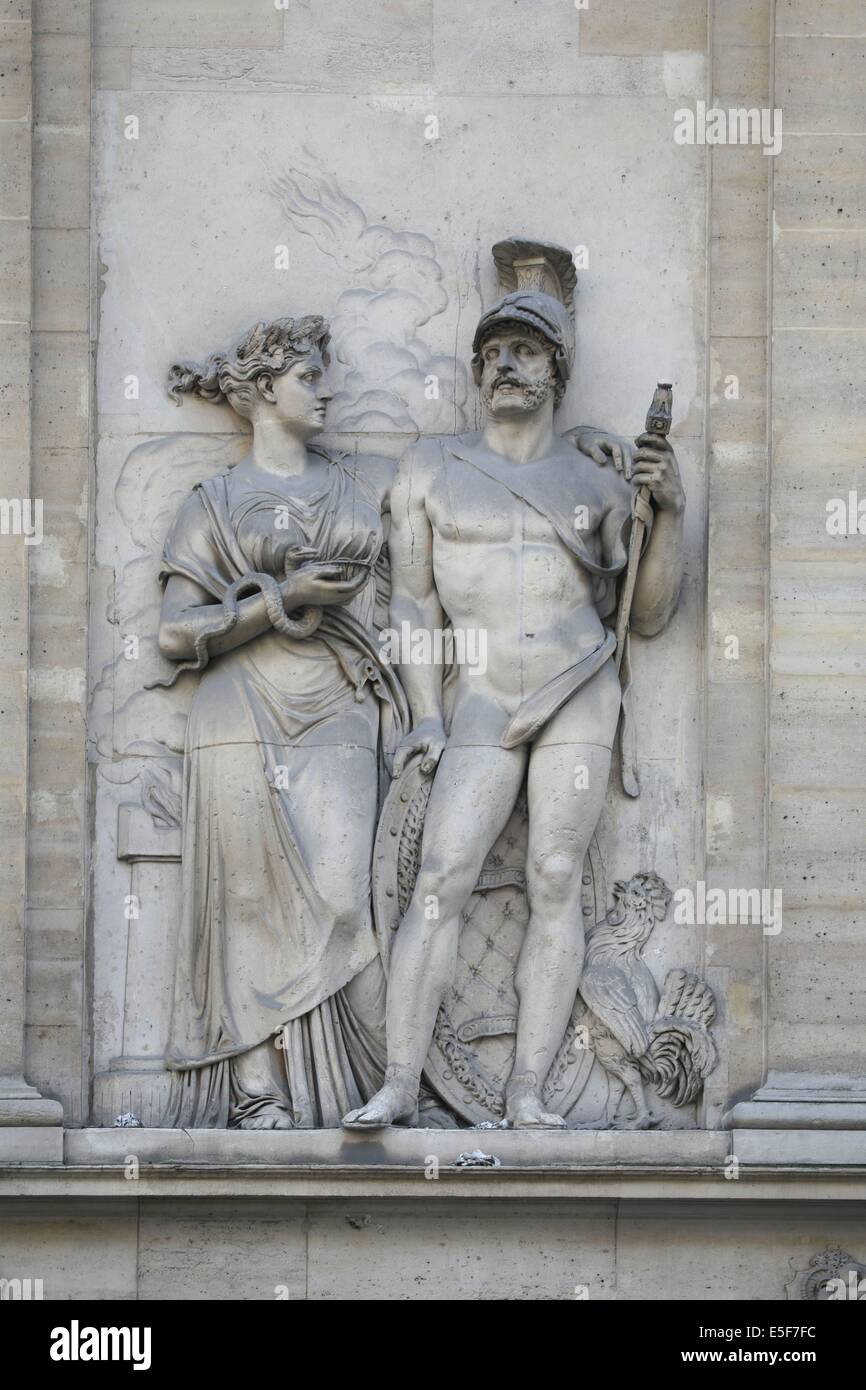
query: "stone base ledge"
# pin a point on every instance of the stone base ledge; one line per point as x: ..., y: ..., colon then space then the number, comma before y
x: 31, y: 1144
x: 422, y: 1165
x: 798, y: 1114
x: 398, y: 1147
x: 804, y: 1148
x: 794, y: 1100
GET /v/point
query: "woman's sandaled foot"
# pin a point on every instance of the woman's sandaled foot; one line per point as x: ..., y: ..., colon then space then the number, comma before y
x: 524, y: 1108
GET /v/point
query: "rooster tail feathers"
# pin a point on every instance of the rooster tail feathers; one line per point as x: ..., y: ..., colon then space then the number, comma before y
x: 681, y: 1053
x: 679, y: 1058
x: 687, y: 996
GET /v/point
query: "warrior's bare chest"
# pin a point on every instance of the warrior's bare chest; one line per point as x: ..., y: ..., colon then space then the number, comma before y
x: 464, y: 505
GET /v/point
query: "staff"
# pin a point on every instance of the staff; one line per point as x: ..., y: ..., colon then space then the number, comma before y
x: 658, y: 423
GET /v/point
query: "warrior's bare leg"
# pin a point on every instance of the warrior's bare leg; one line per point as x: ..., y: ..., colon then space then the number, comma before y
x: 472, y: 798
x: 566, y: 787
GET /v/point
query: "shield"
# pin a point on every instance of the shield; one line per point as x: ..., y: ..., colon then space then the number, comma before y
x: 472, y: 1051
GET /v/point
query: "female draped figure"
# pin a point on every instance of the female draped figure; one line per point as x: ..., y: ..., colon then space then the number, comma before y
x: 270, y: 591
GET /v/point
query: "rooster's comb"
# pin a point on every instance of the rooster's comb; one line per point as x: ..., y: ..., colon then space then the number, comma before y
x: 650, y: 887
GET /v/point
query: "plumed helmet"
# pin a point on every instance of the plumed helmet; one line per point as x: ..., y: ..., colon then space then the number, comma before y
x: 540, y: 279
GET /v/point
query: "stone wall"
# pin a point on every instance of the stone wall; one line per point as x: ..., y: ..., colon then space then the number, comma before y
x: 393, y: 1250
x: 816, y: 1000
x: 60, y: 823
x: 173, y: 170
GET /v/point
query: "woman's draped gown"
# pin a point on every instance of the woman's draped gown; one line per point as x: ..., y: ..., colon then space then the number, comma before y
x: 276, y: 945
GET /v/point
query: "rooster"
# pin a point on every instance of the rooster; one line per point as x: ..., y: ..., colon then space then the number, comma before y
x: 636, y: 1035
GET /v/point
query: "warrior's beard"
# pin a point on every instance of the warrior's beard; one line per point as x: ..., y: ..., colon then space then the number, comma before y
x: 532, y: 394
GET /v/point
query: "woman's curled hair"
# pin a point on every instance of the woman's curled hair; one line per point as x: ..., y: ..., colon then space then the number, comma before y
x: 265, y: 351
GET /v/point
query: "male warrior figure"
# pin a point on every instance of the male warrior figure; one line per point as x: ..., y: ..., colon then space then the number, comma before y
x: 516, y: 531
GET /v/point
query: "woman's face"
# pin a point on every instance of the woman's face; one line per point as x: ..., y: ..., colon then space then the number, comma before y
x: 301, y: 395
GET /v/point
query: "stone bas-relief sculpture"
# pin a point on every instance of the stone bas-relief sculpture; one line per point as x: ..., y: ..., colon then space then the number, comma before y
x: 641, y: 1037
x: 276, y: 578
x: 270, y: 593
x: 514, y: 532
x: 638, y: 1035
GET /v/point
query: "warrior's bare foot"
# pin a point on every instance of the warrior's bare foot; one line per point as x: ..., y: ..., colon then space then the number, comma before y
x: 395, y: 1103
x: 524, y: 1108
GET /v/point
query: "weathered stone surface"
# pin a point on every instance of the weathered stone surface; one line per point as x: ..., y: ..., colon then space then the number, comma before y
x: 741, y: 75
x: 209, y: 23
x: 15, y: 288
x: 833, y: 66
x: 112, y: 68
x: 817, y: 279
x: 16, y: 11
x: 627, y: 26
x: 834, y: 17
x: 743, y: 22
x: 225, y: 1254
x: 14, y: 169
x: 738, y: 373
x: 740, y: 182
x: 61, y: 301
x: 60, y: 1250
x: 821, y: 182
x: 61, y: 17
x: 752, y: 1256
x: 15, y: 394
x: 61, y: 80
x: 61, y: 177
x: 534, y: 48
x: 353, y: 46
x: 37, y: 1142
x: 819, y: 386
x: 15, y: 78
x: 520, y: 1257
x: 814, y: 734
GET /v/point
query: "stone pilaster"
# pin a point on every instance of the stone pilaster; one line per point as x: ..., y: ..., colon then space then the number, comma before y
x: 29, y: 1124
x: 816, y: 762
x: 737, y: 466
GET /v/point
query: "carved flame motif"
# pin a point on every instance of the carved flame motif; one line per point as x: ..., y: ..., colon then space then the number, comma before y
x: 387, y: 369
